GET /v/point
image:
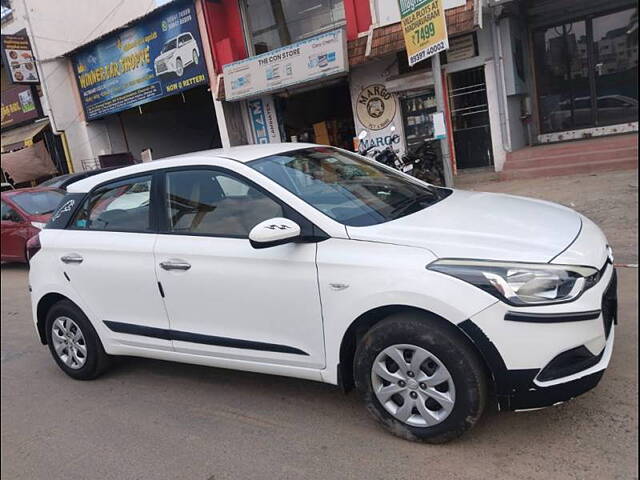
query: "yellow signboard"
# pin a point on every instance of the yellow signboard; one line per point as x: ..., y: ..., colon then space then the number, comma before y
x: 424, y: 27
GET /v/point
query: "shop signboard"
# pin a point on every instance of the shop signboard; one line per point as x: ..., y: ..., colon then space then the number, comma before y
x: 302, y: 62
x: 376, y: 110
x: 19, y: 106
x: 18, y: 59
x: 264, y: 121
x: 461, y: 48
x: 375, y: 107
x: 424, y: 27
x: 158, y: 56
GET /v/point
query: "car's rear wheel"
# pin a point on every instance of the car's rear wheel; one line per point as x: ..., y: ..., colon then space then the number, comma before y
x: 74, y: 343
x: 195, y: 57
x: 419, y: 378
x: 179, y: 67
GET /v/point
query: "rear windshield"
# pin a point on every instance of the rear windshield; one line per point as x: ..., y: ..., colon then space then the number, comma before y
x: 38, y: 203
x: 349, y: 188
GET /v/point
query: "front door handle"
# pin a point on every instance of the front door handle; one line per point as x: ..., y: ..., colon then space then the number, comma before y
x: 72, y: 258
x: 175, y: 265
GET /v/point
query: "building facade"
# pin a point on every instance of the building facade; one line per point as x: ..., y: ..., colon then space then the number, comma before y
x: 31, y: 151
x: 517, y: 73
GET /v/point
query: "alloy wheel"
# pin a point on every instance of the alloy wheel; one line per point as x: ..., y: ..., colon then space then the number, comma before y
x: 69, y: 342
x: 413, y: 385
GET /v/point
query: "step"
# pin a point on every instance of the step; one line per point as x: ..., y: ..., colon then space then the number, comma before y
x: 624, y: 163
x: 583, y: 155
x: 578, y: 145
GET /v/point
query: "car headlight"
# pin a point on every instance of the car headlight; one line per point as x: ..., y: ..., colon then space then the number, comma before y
x: 522, y: 283
x: 38, y: 225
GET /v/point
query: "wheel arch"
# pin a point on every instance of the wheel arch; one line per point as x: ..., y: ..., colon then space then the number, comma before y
x: 361, y: 325
x: 44, y: 305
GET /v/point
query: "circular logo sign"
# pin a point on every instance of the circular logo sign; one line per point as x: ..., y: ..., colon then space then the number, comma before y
x: 376, y: 107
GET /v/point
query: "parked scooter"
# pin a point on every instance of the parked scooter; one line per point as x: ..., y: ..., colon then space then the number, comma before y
x: 422, y: 162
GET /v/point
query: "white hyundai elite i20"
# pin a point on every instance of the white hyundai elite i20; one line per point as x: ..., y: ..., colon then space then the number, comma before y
x: 313, y: 262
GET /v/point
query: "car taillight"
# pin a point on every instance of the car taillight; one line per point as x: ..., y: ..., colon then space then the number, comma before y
x: 33, y: 246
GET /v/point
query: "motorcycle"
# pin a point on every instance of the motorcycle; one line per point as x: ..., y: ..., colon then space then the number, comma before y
x: 426, y: 162
x: 422, y: 162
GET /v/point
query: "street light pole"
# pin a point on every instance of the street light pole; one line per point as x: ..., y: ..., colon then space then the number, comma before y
x: 444, y: 142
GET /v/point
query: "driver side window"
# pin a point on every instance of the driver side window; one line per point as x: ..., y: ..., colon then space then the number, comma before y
x: 209, y: 202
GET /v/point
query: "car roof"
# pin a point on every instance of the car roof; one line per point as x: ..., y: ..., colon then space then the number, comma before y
x: 18, y: 191
x: 242, y: 154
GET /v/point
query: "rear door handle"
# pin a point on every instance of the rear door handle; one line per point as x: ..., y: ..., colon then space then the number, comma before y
x: 175, y: 265
x: 72, y: 258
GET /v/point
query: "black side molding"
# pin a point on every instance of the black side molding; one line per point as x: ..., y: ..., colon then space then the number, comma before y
x: 552, y: 317
x: 167, y: 334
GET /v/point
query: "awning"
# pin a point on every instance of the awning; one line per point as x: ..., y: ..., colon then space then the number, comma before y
x: 22, y: 136
x: 29, y: 163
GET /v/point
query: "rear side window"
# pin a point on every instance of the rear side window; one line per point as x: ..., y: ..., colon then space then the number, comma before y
x: 9, y: 214
x: 208, y: 202
x: 120, y: 206
x: 65, y: 210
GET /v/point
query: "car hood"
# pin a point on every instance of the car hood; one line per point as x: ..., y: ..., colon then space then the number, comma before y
x: 478, y: 225
x: 165, y: 55
x: 40, y: 218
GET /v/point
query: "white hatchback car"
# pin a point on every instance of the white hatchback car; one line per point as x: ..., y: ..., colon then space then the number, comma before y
x: 176, y: 54
x: 313, y: 262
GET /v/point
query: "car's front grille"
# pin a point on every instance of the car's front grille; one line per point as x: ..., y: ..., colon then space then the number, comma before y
x: 161, y: 67
x: 610, y: 304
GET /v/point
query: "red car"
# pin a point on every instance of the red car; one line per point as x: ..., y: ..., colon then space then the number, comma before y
x: 24, y: 213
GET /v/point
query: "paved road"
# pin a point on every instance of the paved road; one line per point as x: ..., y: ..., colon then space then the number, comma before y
x: 156, y: 420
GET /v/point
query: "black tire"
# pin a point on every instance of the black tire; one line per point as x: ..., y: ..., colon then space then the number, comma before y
x: 96, y: 360
x: 460, y: 359
x: 179, y: 67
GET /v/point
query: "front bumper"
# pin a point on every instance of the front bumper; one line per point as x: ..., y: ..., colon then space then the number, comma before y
x: 534, y: 362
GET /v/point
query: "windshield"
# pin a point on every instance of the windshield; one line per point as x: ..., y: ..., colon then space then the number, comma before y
x: 170, y: 45
x: 38, y: 203
x: 350, y: 189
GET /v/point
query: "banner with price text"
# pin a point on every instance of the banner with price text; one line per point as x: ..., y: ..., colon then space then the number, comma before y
x: 424, y: 27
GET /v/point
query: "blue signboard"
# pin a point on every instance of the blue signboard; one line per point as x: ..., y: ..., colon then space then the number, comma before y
x: 160, y: 55
x: 258, y: 120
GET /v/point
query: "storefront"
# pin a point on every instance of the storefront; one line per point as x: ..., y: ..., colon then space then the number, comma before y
x: 30, y: 150
x: 396, y: 105
x: 145, y: 89
x: 294, y: 87
x: 585, y: 57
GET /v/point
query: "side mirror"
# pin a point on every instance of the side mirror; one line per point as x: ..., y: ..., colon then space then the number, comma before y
x: 272, y: 232
x: 362, y: 134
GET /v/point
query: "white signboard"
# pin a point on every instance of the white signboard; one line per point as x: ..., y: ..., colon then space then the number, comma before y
x: 302, y: 62
x: 375, y: 109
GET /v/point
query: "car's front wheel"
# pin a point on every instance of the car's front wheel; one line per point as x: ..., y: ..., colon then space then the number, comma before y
x: 179, y: 67
x: 419, y: 378
x: 74, y: 343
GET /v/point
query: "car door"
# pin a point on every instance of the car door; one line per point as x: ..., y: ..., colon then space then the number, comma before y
x: 183, y: 48
x: 223, y: 297
x: 13, y: 230
x: 106, y: 253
